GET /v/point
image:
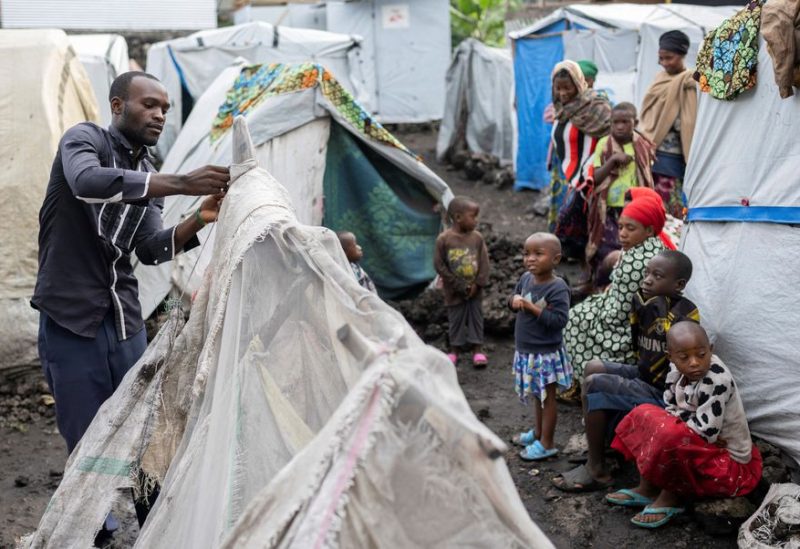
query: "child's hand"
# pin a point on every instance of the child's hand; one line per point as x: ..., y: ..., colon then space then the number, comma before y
x: 621, y: 159
x: 721, y: 442
x: 516, y: 302
x: 472, y: 290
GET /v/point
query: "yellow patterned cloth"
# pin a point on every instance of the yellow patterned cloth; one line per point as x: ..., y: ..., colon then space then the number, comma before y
x: 258, y: 82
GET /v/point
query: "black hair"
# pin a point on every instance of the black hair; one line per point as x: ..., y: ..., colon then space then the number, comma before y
x: 563, y: 73
x: 681, y: 262
x: 459, y: 205
x: 122, y: 83
x: 626, y: 107
x: 344, y: 234
x: 689, y: 325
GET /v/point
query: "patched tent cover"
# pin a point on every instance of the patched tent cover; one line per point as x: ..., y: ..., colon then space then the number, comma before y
x: 187, y: 66
x: 44, y: 91
x: 344, y: 170
x: 742, y: 236
x: 294, y: 409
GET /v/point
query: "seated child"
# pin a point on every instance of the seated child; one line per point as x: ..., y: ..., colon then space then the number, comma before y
x: 354, y: 254
x: 622, y: 160
x: 462, y: 262
x: 610, y: 389
x: 541, y: 300
x: 699, y: 446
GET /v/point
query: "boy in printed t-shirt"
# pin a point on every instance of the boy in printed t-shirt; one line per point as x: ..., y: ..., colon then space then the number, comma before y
x: 462, y: 262
x: 611, y: 390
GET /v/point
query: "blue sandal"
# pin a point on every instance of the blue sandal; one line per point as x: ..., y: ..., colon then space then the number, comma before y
x: 537, y: 452
x: 633, y: 500
x: 668, y: 512
x: 524, y: 439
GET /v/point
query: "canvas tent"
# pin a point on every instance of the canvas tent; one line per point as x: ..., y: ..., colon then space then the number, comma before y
x: 478, y: 109
x: 406, y: 50
x: 309, y: 131
x: 295, y: 409
x: 742, y: 236
x: 104, y: 56
x: 621, y: 38
x: 44, y: 91
x: 187, y: 66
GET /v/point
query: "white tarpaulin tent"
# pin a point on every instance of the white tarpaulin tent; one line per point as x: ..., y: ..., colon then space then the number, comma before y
x: 104, y: 56
x: 187, y: 66
x: 622, y: 39
x: 44, y: 91
x: 307, y: 141
x: 295, y: 409
x: 480, y: 81
x: 406, y: 46
x: 742, y: 235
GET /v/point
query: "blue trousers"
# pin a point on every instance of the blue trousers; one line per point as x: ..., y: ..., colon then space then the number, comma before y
x: 83, y: 372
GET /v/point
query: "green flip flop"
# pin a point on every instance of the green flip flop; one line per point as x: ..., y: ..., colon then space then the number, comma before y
x: 668, y: 512
x: 633, y: 499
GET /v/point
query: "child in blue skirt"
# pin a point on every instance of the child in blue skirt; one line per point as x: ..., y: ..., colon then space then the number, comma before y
x: 541, y: 300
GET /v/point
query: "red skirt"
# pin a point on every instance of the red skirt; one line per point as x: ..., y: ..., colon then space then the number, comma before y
x: 675, y: 458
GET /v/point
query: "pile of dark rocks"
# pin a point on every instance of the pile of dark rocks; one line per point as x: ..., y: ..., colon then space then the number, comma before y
x: 482, y: 167
x: 25, y: 400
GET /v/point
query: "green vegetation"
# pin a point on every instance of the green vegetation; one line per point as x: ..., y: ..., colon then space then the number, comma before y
x: 481, y: 19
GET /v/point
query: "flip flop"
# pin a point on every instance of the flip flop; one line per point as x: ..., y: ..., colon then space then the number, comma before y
x: 479, y: 360
x: 537, y: 452
x: 668, y: 512
x: 633, y: 500
x: 453, y: 358
x: 524, y: 439
x: 578, y: 480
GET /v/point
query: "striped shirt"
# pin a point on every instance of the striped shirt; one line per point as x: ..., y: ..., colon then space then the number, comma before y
x: 94, y: 216
x: 573, y: 150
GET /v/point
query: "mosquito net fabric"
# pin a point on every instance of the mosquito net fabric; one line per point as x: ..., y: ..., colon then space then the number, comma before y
x: 293, y: 406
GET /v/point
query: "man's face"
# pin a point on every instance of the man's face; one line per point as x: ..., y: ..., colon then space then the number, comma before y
x: 141, y: 118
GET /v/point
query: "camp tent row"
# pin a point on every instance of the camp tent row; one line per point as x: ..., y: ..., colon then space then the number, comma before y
x: 188, y: 66
x: 621, y: 38
x: 310, y: 132
x: 743, y: 238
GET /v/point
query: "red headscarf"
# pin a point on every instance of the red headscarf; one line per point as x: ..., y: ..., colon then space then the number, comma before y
x: 648, y: 209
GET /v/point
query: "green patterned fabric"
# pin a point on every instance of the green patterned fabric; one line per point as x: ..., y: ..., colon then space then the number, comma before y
x: 257, y: 82
x: 599, y: 327
x: 728, y: 58
x: 391, y: 214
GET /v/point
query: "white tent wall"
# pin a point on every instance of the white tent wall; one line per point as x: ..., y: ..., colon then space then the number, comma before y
x: 411, y: 44
x: 480, y: 79
x: 743, y: 238
x: 44, y: 90
x: 203, y: 55
x: 104, y: 56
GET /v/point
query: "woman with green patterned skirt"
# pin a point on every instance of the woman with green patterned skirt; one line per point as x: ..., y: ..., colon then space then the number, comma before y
x: 599, y: 326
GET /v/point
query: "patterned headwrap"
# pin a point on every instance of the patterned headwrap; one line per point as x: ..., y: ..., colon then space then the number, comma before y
x: 589, y: 112
x: 674, y: 41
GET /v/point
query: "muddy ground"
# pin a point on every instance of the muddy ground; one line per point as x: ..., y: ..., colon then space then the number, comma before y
x: 32, y: 454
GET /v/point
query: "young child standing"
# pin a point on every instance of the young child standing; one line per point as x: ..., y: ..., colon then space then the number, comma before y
x: 354, y: 255
x: 700, y: 446
x: 462, y: 262
x: 541, y: 300
x: 622, y: 160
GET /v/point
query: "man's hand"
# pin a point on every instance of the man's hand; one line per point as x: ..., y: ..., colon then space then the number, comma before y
x: 202, y: 181
x: 209, y: 208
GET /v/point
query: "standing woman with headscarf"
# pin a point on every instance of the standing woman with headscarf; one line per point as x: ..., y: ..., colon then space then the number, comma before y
x: 582, y: 116
x: 668, y: 115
